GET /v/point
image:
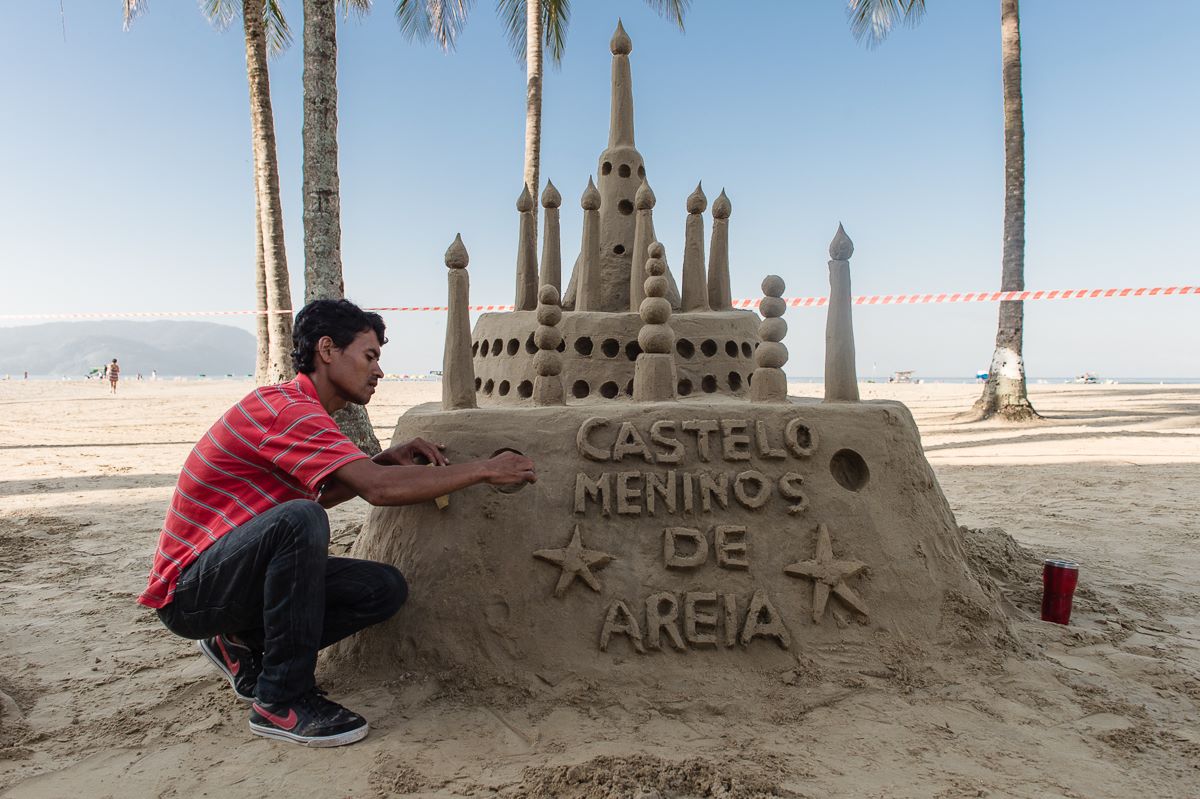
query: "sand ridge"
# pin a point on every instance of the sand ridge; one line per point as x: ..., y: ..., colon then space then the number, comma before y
x: 97, y: 699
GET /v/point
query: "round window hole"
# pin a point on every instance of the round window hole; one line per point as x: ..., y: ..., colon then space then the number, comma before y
x: 747, y: 350
x: 514, y: 346
x: 610, y: 347
x: 849, y: 469
x: 641, y: 171
x: 606, y: 168
x: 497, y: 346
x: 562, y: 346
x: 708, y: 347
x: 619, y: 249
x: 502, y: 389
x: 684, y: 388
x: 525, y: 389
x: 625, y: 207
x: 629, y: 388
x: 624, y: 170
x: 609, y: 390
x: 488, y: 386
x: 735, y: 381
x: 731, y: 349
x: 685, y: 348
x: 530, y: 347
x: 474, y: 349
x: 484, y: 347
x: 581, y: 389
x: 633, y: 350
x: 478, y: 383
x: 708, y: 384
x: 583, y: 346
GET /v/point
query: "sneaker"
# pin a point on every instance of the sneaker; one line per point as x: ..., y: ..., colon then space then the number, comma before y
x: 240, y: 665
x: 311, y: 720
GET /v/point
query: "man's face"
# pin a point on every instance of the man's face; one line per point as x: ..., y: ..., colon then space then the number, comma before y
x: 354, y: 371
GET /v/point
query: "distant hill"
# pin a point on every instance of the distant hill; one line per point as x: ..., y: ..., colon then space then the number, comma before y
x: 172, y: 348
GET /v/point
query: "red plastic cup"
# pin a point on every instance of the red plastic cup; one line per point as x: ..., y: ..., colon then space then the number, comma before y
x: 1059, y: 578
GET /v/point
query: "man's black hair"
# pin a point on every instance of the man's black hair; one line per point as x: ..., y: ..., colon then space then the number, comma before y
x: 341, y: 320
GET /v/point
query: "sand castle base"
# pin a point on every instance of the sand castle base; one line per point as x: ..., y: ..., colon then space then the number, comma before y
x: 673, y: 541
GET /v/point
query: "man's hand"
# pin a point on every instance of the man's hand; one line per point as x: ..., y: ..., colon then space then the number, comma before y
x: 510, y: 468
x: 413, y: 453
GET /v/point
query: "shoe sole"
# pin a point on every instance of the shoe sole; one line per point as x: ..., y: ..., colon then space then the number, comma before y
x: 324, y: 741
x: 220, y: 664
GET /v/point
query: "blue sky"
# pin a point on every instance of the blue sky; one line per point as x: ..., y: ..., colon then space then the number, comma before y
x: 127, y: 181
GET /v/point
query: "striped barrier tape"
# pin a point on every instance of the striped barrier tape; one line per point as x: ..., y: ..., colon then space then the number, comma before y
x: 793, y: 302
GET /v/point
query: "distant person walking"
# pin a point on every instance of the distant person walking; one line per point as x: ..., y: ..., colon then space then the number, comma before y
x: 114, y: 374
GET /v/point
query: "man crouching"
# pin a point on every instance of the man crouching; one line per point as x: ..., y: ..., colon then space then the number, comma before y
x: 243, y: 563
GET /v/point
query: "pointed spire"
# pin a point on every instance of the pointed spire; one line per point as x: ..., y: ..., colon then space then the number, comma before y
x: 620, y: 123
x: 643, y: 235
x: 841, y: 376
x: 525, y: 201
x: 551, y: 267
x: 620, y: 44
x: 695, y: 285
x: 841, y: 248
x: 644, y: 199
x: 588, y: 285
x: 722, y: 208
x: 720, y: 297
x: 590, y: 201
x: 527, y: 267
x: 458, y: 372
x: 456, y: 254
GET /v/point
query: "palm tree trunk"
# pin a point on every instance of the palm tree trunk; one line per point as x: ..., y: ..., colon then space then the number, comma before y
x: 262, y: 335
x: 322, y: 198
x: 268, y: 204
x: 322, y: 193
x: 1005, y: 392
x: 533, y: 102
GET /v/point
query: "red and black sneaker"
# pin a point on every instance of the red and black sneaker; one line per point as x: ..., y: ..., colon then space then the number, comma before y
x: 311, y: 720
x: 240, y: 664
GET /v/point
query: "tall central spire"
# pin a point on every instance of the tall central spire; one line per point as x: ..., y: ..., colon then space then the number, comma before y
x: 621, y: 171
x: 620, y: 124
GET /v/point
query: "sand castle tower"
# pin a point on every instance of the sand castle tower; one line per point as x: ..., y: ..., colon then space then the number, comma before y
x: 692, y: 524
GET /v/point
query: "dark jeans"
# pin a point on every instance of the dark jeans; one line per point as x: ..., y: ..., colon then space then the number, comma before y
x: 272, y: 584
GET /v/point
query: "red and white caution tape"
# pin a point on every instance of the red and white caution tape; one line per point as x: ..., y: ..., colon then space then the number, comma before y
x: 794, y: 302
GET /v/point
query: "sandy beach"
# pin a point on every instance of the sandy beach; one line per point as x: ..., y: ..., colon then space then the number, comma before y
x: 97, y: 699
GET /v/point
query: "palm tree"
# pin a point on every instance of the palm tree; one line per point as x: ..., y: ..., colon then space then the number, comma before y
x: 266, y: 32
x: 1005, y: 392
x: 530, y: 26
x: 322, y: 193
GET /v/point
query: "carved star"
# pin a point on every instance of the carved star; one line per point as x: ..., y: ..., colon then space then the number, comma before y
x: 828, y: 575
x: 576, y: 561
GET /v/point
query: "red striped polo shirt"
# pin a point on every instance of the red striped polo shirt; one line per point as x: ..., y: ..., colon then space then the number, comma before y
x: 276, y: 445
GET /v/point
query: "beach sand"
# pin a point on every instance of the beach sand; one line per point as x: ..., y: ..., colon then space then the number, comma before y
x: 97, y: 699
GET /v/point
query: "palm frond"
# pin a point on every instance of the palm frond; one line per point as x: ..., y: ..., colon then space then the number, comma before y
x: 671, y: 9
x: 874, y: 19
x: 556, y: 14
x: 440, y: 21
x: 279, y: 34
x: 219, y: 13
x: 360, y: 7
x: 132, y: 9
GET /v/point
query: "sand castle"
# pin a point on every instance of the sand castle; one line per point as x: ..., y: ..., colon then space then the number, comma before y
x: 691, y: 521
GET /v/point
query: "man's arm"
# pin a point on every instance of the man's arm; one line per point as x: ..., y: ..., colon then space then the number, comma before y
x: 407, y: 485
x: 416, y: 451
